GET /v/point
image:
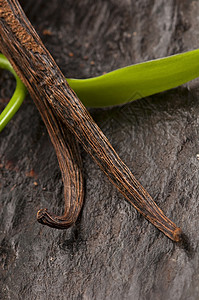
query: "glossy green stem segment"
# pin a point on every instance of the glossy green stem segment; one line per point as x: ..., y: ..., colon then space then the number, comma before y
x: 119, y: 86
x: 17, y: 98
x: 137, y: 81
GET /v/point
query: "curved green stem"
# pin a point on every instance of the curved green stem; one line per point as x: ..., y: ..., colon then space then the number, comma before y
x: 17, y: 98
x: 119, y: 86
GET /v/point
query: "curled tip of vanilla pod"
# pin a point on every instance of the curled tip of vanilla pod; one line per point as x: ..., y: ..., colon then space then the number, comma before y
x: 51, y: 220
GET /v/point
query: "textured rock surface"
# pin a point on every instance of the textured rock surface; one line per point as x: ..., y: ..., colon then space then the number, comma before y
x: 112, y: 252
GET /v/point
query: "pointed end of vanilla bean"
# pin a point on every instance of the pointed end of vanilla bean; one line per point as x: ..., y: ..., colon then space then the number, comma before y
x: 51, y: 220
x: 169, y: 229
x: 44, y: 217
x: 177, y: 235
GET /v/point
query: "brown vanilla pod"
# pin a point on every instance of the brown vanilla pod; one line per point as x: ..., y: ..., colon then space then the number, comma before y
x: 68, y: 154
x: 45, y: 83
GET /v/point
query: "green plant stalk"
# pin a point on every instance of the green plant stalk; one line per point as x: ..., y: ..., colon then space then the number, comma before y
x: 17, y: 98
x: 137, y: 81
x: 119, y: 86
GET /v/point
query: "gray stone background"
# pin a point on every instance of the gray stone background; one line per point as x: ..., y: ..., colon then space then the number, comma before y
x: 112, y: 252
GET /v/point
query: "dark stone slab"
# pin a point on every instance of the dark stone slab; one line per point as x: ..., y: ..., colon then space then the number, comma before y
x: 112, y: 252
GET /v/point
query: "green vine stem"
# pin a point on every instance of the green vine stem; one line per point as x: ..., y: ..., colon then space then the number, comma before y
x: 119, y: 86
x: 17, y: 98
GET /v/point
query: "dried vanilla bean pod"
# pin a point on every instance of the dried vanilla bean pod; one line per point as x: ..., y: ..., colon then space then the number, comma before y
x: 45, y: 82
x: 68, y: 154
x: 69, y: 158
